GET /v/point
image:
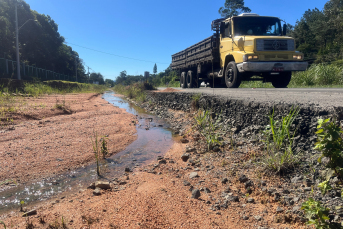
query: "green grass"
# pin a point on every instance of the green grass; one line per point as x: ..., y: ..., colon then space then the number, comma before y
x: 135, y: 91
x: 96, y: 150
x: 208, y: 127
x: 278, y: 137
x: 318, y: 75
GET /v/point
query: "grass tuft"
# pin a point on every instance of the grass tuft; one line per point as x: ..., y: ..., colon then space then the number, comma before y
x: 278, y: 137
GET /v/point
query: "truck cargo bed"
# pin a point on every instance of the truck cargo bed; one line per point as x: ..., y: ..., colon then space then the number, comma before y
x: 205, y: 51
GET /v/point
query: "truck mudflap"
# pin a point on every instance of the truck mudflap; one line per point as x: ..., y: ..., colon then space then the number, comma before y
x: 272, y: 66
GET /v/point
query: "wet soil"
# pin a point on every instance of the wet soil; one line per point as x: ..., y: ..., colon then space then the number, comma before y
x: 53, y: 134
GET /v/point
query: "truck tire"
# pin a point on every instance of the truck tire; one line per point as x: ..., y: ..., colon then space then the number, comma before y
x: 183, y: 80
x: 282, y: 80
x: 232, y: 76
x: 190, y: 79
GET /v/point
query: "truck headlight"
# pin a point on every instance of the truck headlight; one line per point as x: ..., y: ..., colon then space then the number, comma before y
x: 297, y: 57
x: 250, y: 57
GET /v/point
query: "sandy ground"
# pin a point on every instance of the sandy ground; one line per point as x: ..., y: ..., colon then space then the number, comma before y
x: 46, y: 140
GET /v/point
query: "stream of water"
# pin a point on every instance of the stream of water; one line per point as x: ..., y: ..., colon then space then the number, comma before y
x: 153, y: 139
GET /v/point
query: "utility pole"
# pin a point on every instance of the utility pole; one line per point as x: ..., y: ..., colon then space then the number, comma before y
x: 17, y: 41
x: 88, y: 75
x: 76, y: 68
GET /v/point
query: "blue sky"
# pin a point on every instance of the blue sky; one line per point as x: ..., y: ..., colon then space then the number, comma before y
x: 150, y: 30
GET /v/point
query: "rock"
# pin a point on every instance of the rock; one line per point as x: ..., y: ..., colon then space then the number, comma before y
x: 190, y: 149
x: 245, y: 217
x: 296, y: 209
x: 206, y: 190
x: 91, y: 186
x: 251, y: 200
x: 185, y: 157
x: 97, y: 192
x: 184, y: 140
x: 193, y: 175
x: 102, y: 184
x: 195, y: 193
x: 279, y: 209
x: 127, y: 169
x: 224, y: 180
x: 186, y: 183
x: 307, y: 189
x: 248, y: 184
x: 163, y: 161
x: 297, y: 179
x: 232, y: 198
x: 258, y: 218
x: 216, y: 149
x: 243, y: 178
x: 159, y: 158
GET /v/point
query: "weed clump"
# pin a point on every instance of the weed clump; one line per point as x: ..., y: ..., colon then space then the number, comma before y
x: 134, y: 91
x: 195, y: 102
x: 278, y: 137
x: 208, y: 128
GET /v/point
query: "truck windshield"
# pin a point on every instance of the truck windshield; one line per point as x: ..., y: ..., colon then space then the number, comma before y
x: 256, y: 26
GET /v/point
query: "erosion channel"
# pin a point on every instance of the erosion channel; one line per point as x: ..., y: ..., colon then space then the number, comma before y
x: 154, y: 138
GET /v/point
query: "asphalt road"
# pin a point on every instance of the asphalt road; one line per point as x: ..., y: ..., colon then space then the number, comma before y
x: 322, y: 97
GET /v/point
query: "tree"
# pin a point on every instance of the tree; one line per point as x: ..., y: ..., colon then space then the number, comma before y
x: 109, y: 82
x: 233, y: 8
x: 155, y: 69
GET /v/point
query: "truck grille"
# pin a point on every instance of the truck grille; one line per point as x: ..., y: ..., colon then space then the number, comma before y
x: 274, y: 45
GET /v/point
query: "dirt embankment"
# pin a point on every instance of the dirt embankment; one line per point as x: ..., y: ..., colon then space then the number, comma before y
x: 52, y: 134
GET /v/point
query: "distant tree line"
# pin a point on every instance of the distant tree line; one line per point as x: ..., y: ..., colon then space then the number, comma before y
x: 167, y: 77
x: 319, y: 33
x: 40, y: 43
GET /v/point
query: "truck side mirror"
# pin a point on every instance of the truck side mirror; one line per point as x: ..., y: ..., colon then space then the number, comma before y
x: 284, y: 30
x: 222, y: 28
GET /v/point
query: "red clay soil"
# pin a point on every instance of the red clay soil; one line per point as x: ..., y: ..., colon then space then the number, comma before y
x: 154, y: 196
x: 52, y: 134
x: 168, y: 89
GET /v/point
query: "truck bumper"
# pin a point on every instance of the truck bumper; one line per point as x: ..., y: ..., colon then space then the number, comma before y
x: 271, y: 66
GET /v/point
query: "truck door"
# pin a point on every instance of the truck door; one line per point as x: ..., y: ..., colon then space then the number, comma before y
x: 225, y: 43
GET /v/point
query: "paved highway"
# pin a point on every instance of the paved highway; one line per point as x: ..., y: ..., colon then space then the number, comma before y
x: 322, y: 97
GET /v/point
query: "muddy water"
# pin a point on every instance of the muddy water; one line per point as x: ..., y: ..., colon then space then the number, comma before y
x: 153, y: 139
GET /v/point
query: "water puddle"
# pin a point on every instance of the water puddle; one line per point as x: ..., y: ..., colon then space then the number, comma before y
x: 153, y: 139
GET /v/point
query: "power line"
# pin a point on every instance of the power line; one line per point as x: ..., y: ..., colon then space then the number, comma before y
x: 114, y: 54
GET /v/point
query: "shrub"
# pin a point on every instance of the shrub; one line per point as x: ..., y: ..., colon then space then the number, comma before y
x: 319, y: 75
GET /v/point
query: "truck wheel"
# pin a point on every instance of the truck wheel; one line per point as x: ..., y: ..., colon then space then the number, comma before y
x: 232, y: 76
x: 183, y: 80
x: 190, y: 79
x: 282, y: 80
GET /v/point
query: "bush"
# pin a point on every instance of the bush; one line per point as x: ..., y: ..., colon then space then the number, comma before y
x: 318, y: 75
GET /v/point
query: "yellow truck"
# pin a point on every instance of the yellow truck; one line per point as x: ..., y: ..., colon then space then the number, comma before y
x: 245, y: 47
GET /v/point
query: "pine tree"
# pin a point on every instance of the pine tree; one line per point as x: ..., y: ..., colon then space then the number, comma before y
x: 155, y: 69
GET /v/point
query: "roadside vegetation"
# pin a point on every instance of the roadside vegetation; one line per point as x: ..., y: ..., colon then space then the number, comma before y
x: 317, y: 75
x: 330, y: 144
x: 135, y: 91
